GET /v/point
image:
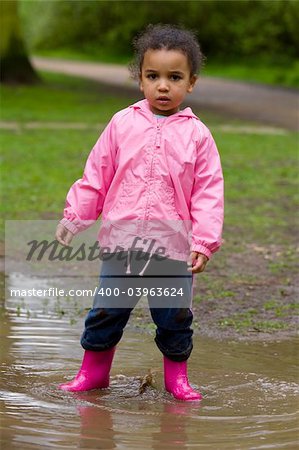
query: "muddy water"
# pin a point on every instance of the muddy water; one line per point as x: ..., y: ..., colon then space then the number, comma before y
x: 250, y: 390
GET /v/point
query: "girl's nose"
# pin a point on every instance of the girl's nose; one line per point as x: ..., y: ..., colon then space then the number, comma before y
x: 163, y: 86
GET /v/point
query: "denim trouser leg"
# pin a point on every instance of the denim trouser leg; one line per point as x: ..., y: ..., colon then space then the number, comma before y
x: 104, y: 328
x: 174, y: 333
x: 107, y: 319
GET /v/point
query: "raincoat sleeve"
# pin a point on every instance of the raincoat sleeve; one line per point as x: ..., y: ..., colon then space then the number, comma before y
x: 207, y: 200
x: 85, y: 199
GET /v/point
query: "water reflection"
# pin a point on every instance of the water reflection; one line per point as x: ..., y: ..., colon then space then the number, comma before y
x: 168, y: 432
x: 92, y: 421
x: 250, y: 392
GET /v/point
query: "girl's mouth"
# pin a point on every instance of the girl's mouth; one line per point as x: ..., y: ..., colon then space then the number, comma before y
x: 163, y: 100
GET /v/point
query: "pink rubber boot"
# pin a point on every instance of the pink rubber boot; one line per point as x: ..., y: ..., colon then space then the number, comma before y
x: 94, y: 372
x: 176, y: 380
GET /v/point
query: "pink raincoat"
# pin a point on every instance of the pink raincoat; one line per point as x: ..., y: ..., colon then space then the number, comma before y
x: 157, y: 179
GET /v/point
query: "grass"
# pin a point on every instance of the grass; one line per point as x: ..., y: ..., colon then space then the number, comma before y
x: 49, y: 161
x: 256, y: 71
x: 242, y: 322
x: 262, y: 185
x: 61, y: 99
x: 281, y: 310
x: 247, y: 321
x: 88, y: 53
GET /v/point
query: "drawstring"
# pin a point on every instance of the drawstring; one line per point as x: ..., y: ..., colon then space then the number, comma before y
x: 128, y: 271
x: 147, y: 263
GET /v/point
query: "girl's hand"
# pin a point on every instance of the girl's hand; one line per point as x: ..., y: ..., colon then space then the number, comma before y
x: 63, y: 235
x: 197, y: 262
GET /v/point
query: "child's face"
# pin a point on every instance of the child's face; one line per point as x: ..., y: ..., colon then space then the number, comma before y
x: 165, y: 80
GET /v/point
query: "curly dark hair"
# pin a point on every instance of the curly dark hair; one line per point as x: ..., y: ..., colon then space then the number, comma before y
x: 169, y: 37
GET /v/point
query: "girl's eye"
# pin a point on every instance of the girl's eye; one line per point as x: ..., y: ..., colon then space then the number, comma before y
x: 151, y: 76
x: 176, y: 77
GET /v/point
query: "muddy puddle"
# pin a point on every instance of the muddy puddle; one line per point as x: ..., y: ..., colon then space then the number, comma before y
x: 250, y: 389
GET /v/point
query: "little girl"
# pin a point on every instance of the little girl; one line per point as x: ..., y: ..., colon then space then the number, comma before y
x: 155, y: 178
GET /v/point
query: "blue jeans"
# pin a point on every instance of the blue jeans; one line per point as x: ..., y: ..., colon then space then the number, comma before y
x: 119, y: 292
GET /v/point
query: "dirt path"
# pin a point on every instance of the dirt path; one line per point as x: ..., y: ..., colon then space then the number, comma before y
x: 248, y: 101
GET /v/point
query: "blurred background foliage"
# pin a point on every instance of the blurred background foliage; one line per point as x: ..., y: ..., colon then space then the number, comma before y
x: 227, y: 30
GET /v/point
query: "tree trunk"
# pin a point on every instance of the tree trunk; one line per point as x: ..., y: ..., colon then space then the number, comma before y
x: 15, y: 66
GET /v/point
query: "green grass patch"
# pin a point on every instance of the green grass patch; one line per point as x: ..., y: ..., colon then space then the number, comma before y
x: 281, y: 310
x: 286, y: 74
x: 261, y: 185
x: 60, y: 98
x: 87, y: 53
x: 246, y: 322
x: 285, y: 262
x: 48, y: 162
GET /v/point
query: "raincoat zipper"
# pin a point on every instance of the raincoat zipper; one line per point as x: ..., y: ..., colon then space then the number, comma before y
x: 157, y: 144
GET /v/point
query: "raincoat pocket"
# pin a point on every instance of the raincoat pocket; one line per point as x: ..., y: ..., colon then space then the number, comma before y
x: 126, y: 198
x: 163, y: 196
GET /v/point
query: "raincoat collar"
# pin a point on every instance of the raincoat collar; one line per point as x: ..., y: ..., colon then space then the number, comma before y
x: 143, y: 105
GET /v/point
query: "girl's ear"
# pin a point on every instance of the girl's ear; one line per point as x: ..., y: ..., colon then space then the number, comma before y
x: 192, y: 82
x: 140, y: 83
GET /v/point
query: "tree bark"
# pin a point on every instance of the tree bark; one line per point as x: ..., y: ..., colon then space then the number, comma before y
x: 15, y: 66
